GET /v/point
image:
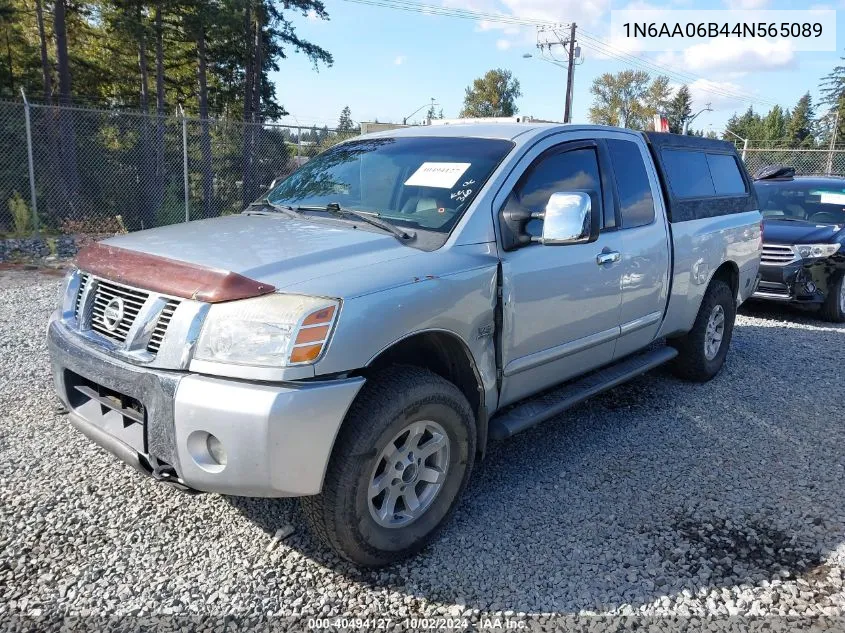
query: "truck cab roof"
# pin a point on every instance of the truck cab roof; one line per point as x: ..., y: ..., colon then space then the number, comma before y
x: 506, y: 130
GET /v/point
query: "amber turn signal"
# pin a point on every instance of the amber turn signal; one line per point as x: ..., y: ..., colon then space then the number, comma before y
x: 306, y: 353
x: 312, y: 335
x: 324, y: 315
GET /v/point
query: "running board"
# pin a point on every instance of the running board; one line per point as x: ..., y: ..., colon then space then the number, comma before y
x: 549, y: 404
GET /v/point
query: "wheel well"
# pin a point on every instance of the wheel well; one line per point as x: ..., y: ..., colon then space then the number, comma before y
x: 447, y: 356
x: 729, y: 273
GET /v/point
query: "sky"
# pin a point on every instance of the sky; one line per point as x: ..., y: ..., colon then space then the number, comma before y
x: 388, y: 62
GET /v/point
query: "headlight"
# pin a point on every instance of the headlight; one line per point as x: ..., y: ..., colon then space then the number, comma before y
x: 810, y: 251
x: 275, y: 330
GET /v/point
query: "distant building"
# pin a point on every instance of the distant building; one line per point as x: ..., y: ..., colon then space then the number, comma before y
x: 367, y: 127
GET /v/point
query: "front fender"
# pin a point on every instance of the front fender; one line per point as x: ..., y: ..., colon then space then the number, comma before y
x: 459, y: 303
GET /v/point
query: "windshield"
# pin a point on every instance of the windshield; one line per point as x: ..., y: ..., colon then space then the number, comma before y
x: 421, y: 182
x: 805, y: 201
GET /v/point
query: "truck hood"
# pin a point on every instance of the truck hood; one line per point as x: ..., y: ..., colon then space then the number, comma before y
x: 788, y: 232
x: 275, y: 249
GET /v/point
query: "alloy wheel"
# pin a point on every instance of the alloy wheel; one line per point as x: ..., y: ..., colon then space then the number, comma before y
x: 715, y: 332
x: 409, y: 474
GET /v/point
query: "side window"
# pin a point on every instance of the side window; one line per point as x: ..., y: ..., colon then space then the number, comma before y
x: 632, y: 183
x: 688, y: 173
x: 575, y: 170
x: 725, y: 172
x: 693, y: 174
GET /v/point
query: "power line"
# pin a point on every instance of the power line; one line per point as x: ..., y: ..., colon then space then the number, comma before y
x: 603, y: 47
x: 722, y: 92
x: 594, y: 42
x: 429, y: 9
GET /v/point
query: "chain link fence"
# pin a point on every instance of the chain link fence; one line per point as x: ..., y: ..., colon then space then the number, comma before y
x: 108, y: 171
x: 805, y: 161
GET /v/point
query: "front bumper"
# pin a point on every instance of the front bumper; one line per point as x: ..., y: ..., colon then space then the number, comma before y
x: 278, y: 438
x: 798, y: 282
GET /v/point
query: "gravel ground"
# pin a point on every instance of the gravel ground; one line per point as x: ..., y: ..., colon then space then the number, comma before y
x: 661, y: 498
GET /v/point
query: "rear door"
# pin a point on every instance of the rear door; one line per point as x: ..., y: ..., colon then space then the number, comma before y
x: 646, y: 247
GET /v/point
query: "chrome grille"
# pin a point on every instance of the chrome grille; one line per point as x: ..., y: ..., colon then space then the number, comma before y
x: 143, y: 324
x: 83, y: 282
x: 778, y: 254
x: 104, y: 293
x: 161, y: 325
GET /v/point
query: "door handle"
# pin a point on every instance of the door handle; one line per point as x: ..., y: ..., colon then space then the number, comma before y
x: 608, y: 257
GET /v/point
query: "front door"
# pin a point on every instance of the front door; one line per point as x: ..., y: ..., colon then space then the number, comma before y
x: 561, y: 304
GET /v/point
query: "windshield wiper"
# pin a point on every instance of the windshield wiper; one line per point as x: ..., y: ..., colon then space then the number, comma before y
x: 371, y: 218
x: 265, y: 203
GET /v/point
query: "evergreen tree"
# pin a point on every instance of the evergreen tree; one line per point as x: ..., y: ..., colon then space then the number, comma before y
x: 749, y: 126
x: 774, y: 124
x: 345, y: 124
x: 799, y: 132
x: 144, y: 53
x: 680, y: 109
x: 434, y: 114
x: 832, y: 90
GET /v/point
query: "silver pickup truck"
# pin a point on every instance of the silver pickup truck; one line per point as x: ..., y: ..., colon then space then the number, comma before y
x: 360, y: 334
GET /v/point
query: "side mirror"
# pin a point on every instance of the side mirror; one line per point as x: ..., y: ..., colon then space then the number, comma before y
x: 569, y: 219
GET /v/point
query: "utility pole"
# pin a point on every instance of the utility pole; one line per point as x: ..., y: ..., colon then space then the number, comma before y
x: 570, y: 75
x: 573, y: 54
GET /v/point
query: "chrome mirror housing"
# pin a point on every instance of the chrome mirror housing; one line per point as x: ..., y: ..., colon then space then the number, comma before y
x: 568, y: 219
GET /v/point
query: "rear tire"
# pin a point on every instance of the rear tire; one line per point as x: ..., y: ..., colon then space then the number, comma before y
x: 399, y: 466
x: 702, y: 351
x: 833, y: 308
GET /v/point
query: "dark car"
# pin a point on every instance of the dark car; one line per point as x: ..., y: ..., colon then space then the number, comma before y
x: 803, y: 258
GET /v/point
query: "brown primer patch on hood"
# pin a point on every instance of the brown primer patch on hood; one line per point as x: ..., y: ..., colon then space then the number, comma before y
x: 168, y: 276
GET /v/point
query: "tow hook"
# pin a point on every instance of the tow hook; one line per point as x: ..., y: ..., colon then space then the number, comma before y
x: 166, y: 474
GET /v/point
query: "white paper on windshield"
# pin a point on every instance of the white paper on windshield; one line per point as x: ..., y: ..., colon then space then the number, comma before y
x: 441, y: 175
x: 832, y: 197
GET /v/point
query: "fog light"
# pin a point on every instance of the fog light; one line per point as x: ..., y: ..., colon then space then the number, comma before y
x: 215, y: 449
x: 207, y: 451
x: 810, y: 287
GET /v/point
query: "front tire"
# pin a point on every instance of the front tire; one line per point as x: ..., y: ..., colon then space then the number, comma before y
x: 833, y: 308
x: 702, y: 351
x: 400, y: 464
